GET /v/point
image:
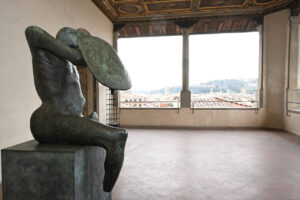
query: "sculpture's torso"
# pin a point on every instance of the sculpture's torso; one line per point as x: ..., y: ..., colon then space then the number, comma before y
x: 57, y: 83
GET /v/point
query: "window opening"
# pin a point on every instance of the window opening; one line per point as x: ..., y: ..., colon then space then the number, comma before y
x: 155, y: 67
x: 224, y: 70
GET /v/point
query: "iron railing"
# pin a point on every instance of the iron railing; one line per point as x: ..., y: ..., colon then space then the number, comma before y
x: 288, y: 110
x: 236, y: 105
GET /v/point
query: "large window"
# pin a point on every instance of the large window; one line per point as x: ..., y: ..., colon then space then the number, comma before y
x: 224, y: 70
x: 154, y: 65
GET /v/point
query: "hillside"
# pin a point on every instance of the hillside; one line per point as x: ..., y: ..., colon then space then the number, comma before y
x: 224, y: 86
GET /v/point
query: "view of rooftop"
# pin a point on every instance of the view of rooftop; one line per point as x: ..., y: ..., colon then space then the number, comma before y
x: 227, y: 82
x: 213, y: 94
x: 198, y: 101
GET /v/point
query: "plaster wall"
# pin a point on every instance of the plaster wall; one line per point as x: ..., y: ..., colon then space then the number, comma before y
x: 292, y: 121
x: 277, y: 55
x: 17, y: 92
x: 276, y: 44
x: 186, y: 118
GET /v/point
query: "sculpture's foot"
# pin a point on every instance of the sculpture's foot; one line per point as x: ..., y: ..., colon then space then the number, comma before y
x: 114, y: 161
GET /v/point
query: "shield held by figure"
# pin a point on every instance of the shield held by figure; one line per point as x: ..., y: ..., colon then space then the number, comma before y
x: 104, y: 63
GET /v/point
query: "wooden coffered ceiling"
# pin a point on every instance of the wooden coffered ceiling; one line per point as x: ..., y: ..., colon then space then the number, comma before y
x: 120, y: 11
x: 156, y: 17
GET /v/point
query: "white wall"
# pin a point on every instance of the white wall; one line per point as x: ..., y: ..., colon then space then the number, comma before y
x: 276, y: 44
x: 17, y: 93
x: 277, y: 39
x: 186, y: 118
x: 292, y: 123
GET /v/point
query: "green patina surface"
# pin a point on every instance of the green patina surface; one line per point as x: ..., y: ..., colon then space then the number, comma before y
x: 59, y: 119
x: 33, y: 171
x: 104, y: 63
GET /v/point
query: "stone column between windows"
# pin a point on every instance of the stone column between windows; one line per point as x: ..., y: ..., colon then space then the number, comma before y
x: 185, y: 94
x: 116, y: 35
x: 294, y: 62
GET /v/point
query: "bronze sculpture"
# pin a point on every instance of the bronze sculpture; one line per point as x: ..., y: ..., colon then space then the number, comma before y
x: 59, y: 120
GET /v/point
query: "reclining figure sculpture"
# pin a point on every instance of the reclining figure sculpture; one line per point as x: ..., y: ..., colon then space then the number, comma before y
x: 59, y: 119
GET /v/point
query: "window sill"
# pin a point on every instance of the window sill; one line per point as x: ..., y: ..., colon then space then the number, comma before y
x: 225, y: 108
x: 294, y: 111
x: 149, y: 108
x: 242, y: 109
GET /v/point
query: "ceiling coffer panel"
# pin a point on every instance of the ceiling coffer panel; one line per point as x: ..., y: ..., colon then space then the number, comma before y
x: 168, y: 6
x: 124, y: 11
x: 221, y: 3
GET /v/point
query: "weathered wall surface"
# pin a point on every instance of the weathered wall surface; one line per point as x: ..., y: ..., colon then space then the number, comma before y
x: 276, y: 45
x: 292, y: 123
x: 17, y: 93
x: 187, y: 118
x: 277, y: 55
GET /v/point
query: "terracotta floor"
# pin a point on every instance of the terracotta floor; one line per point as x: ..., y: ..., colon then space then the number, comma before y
x: 210, y: 165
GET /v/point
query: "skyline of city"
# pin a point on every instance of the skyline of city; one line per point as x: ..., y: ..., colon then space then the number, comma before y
x: 213, y: 94
x: 210, y: 85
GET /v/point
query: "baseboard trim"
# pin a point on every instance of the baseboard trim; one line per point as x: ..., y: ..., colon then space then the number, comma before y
x: 199, y: 128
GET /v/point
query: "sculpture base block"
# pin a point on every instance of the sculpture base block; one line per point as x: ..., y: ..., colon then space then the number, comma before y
x: 53, y: 172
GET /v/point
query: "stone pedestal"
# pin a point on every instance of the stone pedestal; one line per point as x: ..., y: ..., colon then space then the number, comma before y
x: 58, y: 172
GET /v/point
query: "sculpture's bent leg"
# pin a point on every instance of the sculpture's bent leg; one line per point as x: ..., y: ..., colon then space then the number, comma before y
x: 60, y: 129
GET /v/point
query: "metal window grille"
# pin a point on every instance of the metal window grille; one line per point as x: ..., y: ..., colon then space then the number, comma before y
x: 112, y: 108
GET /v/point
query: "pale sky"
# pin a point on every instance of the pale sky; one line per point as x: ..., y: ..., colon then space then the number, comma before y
x: 156, y: 62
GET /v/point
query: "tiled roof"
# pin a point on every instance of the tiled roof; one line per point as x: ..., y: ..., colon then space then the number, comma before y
x: 217, y: 102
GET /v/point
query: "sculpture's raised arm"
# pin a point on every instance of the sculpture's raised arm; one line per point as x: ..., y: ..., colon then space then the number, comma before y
x: 38, y: 38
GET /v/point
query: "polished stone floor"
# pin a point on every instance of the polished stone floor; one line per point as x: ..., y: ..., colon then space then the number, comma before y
x: 210, y: 165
